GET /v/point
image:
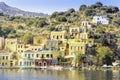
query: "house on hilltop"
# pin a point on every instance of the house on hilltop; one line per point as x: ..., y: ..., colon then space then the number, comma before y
x: 101, y: 19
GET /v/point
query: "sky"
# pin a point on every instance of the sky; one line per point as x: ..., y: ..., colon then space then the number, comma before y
x: 50, y: 6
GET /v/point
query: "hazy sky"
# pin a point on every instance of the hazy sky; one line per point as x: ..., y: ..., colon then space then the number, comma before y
x: 49, y: 6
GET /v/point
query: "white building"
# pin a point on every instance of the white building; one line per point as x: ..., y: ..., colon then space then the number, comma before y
x: 27, y: 59
x: 101, y: 19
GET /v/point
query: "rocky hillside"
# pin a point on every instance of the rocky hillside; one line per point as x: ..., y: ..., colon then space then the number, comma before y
x: 12, y: 11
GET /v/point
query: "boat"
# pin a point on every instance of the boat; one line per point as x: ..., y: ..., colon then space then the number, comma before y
x: 56, y: 67
x: 23, y: 68
x: 43, y: 67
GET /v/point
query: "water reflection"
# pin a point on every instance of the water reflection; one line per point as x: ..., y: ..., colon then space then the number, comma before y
x: 14, y: 74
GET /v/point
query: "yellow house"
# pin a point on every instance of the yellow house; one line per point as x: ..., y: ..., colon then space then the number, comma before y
x: 76, y: 46
x: 74, y: 31
x: 58, y: 35
x: 40, y: 39
x: 16, y: 45
x: 7, y: 59
x: 11, y: 44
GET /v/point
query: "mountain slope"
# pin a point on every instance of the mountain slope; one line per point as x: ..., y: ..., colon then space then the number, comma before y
x: 15, y: 11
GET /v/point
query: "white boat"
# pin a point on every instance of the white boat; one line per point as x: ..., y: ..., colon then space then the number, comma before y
x: 23, y: 68
x: 56, y: 67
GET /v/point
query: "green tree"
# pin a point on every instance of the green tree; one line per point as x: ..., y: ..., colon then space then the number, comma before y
x: 90, y: 12
x: 105, y: 55
x: 40, y: 23
x: 60, y: 13
x: 80, y: 58
x: 7, y: 30
x: 82, y: 7
x: 112, y: 9
x: 52, y: 28
x: 61, y: 59
x: 61, y: 19
x: 71, y: 10
x: 28, y: 38
x: 97, y: 5
x: 54, y: 15
x: 67, y: 14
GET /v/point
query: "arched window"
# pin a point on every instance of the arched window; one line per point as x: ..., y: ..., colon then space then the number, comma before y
x: 40, y: 64
x: 51, y: 56
x: 47, y: 55
x: 45, y: 64
x: 20, y: 63
x: 57, y: 37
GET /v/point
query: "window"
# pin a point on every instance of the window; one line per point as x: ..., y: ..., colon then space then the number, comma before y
x: 3, y: 57
x: 20, y: 63
x: 21, y: 46
x: 6, y: 57
x: 18, y: 46
x: 57, y: 37
x: 81, y: 47
x: 97, y: 18
x: 30, y: 63
x: 21, y: 50
x: 25, y: 63
x: 28, y: 55
x: 75, y: 29
x: 51, y: 56
x: 32, y: 55
x: 47, y: 55
x: 42, y: 55
x: 12, y: 42
x: 37, y: 55
x: 25, y: 55
x: 61, y: 36
x: 33, y: 62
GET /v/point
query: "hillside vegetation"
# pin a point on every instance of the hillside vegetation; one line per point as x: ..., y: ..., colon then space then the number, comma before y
x: 16, y: 26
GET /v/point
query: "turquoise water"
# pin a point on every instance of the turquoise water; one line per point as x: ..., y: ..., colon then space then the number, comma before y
x: 58, y: 75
